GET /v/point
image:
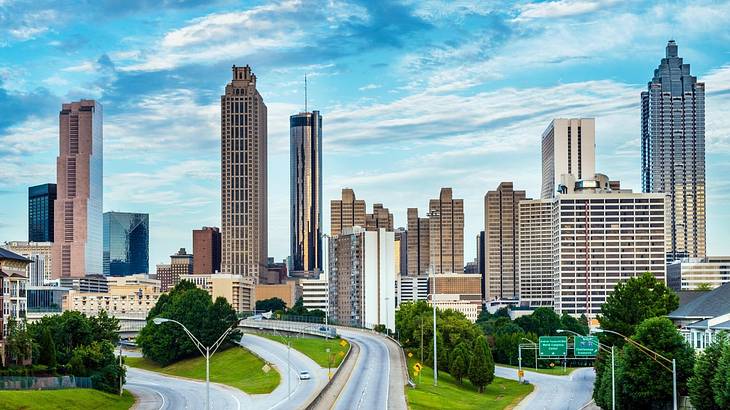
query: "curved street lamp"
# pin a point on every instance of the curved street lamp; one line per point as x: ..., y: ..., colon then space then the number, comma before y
x: 653, y: 356
x: 206, y: 351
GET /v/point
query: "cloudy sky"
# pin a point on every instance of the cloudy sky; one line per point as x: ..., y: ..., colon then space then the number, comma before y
x: 415, y: 95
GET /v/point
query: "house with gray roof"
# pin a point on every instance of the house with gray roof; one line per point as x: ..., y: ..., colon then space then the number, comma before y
x: 703, y: 317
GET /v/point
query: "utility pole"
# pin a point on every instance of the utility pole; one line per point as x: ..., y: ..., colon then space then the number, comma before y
x: 435, y: 342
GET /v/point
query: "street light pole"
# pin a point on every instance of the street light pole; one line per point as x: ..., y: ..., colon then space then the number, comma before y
x: 206, y: 351
x: 435, y: 352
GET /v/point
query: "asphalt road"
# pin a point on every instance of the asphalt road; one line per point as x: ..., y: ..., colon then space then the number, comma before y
x: 302, y: 391
x: 554, y: 392
x: 369, y: 383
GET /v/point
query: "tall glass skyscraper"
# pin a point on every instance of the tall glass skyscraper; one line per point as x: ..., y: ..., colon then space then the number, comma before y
x: 673, y: 151
x: 40, y: 212
x: 305, y: 130
x: 126, y: 243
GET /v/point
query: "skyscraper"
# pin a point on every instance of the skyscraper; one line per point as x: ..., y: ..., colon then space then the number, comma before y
x: 346, y: 212
x: 673, y: 151
x: 501, y: 229
x: 568, y: 147
x: 40, y: 212
x: 535, y: 237
x: 207, y: 250
x: 126, y: 243
x: 446, y: 233
x: 305, y: 150
x: 419, y: 241
x: 244, y: 226
x: 380, y: 218
x: 77, y: 244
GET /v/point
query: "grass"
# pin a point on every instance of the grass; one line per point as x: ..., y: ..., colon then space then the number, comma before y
x: 500, y: 394
x: 555, y: 371
x: 316, y: 348
x: 235, y: 367
x: 64, y: 399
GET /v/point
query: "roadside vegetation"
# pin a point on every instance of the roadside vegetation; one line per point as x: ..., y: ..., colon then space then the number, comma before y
x: 69, y: 399
x: 235, y: 367
x: 316, y: 348
x: 452, y: 394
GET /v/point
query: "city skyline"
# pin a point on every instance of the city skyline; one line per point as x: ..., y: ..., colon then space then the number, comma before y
x: 398, y: 162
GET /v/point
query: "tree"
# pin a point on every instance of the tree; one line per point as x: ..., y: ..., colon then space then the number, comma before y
x: 706, y: 365
x: 97, y: 361
x: 47, y: 349
x: 703, y: 287
x: 644, y: 383
x: 481, y: 368
x: 270, y: 305
x: 459, y: 362
x: 721, y: 380
x: 634, y: 301
x: 18, y: 342
x: 543, y: 322
x: 105, y: 327
x: 168, y: 342
x: 568, y: 322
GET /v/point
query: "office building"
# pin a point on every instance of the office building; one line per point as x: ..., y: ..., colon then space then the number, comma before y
x: 535, y: 252
x: 289, y: 291
x: 244, y: 229
x: 238, y: 290
x: 481, y: 261
x: 697, y: 273
x: 602, y: 237
x: 457, y: 291
x: 78, y: 228
x: 207, y: 250
x: 380, y: 218
x: 40, y: 212
x: 362, y: 278
x: 40, y: 269
x: 85, y: 284
x: 419, y: 241
x: 131, y: 296
x: 568, y: 147
x: 126, y: 243
x: 401, y: 251
x: 346, y: 212
x: 276, y: 273
x: 305, y: 151
x: 673, y: 151
x: 446, y: 233
x: 181, y: 263
x: 501, y: 210
x: 13, y: 298
x: 44, y: 301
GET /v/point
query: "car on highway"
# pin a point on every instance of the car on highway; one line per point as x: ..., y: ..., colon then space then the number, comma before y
x: 304, y: 375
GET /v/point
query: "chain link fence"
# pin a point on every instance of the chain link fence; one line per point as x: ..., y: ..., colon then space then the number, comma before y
x: 44, y: 383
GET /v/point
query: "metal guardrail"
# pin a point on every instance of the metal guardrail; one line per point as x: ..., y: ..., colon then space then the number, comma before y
x: 315, y: 329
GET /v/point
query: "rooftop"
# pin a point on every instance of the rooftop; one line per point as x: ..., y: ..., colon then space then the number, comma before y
x: 711, y: 304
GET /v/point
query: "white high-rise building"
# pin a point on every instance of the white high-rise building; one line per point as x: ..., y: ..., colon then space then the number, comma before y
x: 568, y: 147
x: 536, y: 252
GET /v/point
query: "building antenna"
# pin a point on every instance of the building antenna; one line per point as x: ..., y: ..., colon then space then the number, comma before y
x: 305, y: 92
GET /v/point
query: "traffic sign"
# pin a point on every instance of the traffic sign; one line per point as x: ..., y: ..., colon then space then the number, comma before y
x: 343, y: 343
x: 520, y: 373
x: 410, y: 354
x: 553, y: 345
x: 586, y: 345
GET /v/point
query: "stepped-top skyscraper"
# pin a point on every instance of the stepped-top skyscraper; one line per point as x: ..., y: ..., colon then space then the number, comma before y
x: 77, y: 244
x: 243, y: 177
x: 673, y: 151
x: 305, y: 130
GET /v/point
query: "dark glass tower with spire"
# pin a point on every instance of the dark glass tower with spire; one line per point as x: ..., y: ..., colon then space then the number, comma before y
x: 673, y: 151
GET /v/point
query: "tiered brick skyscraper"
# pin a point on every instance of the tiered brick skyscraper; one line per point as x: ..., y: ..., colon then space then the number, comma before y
x: 305, y: 130
x: 346, y: 212
x: 419, y: 255
x: 673, y: 151
x: 243, y: 177
x: 77, y: 244
x: 501, y: 225
x: 446, y: 233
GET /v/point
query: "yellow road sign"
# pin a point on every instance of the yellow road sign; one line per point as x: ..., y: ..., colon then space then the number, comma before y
x: 410, y: 354
x: 520, y: 373
x: 343, y: 343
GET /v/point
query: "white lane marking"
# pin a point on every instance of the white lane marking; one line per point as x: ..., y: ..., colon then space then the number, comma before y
x: 163, y: 399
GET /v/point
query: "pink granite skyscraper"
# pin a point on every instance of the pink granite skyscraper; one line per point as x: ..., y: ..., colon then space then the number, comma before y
x: 77, y: 245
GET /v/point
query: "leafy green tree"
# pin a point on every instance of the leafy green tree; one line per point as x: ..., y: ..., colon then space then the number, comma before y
x: 459, y: 362
x: 185, y: 303
x: 481, y: 368
x: 644, y: 383
x: 97, y: 361
x: 270, y: 305
x: 721, y: 380
x: 634, y: 301
x: 568, y: 322
x: 706, y: 365
x: 543, y: 322
x: 105, y: 327
x: 704, y: 287
x: 47, y: 349
x: 441, y: 351
x: 18, y: 342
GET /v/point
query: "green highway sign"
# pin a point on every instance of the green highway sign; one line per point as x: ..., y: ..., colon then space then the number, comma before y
x: 553, y: 345
x: 586, y: 345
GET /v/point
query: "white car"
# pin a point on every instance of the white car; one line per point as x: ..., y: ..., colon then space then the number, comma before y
x: 304, y: 376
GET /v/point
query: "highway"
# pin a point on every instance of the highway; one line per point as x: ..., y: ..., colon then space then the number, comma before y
x: 375, y: 383
x: 554, y: 392
x: 302, y: 391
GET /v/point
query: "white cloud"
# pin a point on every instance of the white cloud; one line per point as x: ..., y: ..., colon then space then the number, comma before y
x: 370, y: 86
x: 561, y: 8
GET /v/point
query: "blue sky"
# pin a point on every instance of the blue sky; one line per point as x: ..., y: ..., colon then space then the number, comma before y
x: 415, y: 95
